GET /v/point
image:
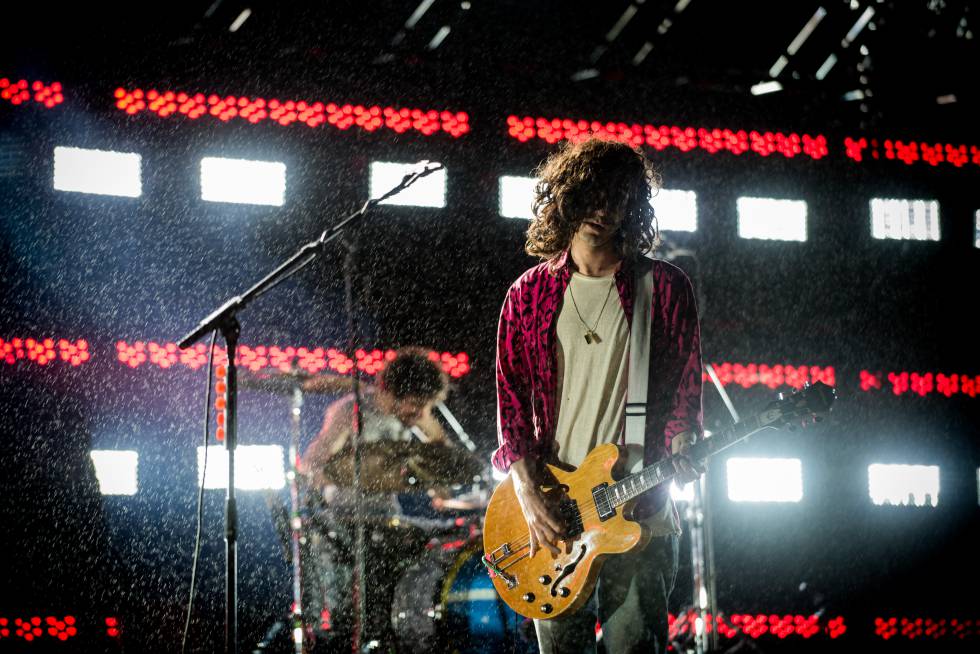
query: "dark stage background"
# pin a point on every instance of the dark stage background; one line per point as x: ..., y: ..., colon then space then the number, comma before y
x: 107, y: 269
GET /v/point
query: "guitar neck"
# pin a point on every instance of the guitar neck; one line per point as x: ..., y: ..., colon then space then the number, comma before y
x: 652, y: 476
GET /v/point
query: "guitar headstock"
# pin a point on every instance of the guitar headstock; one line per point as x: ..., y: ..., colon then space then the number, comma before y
x: 805, y: 406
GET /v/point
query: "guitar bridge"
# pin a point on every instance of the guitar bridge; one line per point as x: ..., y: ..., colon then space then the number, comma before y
x: 495, y: 570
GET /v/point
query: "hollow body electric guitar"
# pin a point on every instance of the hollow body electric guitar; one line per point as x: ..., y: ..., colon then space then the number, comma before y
x: 596, y: 508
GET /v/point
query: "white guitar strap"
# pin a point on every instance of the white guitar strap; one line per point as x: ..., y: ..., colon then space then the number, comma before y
x: 639, y: 370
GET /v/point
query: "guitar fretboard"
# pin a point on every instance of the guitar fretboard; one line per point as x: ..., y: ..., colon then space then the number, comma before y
x: 638, y: 483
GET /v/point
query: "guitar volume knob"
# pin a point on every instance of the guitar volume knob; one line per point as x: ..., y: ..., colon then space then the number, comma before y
x: 544, y: 579
x: 564, y: 592
x: 546, y: 608
x: 528, y: 597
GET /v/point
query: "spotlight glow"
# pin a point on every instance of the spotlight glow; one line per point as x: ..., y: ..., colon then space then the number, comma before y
x: 116, y: 471
x: 764, y: 480
x: 903, y: 485
x: 243, y: 181
x: 429, y: 191
x: 908, y: 220
x: 101, y: 172
x: 677, y: 211
x: 257, y: 467
x: 516, y: 196
x: 682, y: 494
x: 772, y: 219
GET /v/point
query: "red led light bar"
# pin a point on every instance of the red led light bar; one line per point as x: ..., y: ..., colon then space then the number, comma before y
x: 36, y: 627
x: 44, y: 351
x: 661, y: 137
x: 925, y: 628
x: 22, y: 92
x: 312, y: 114
x: 911, y: 152
x: 921, y: 383
x: 261, y: 357
x: 751, y: 374
x: 756, y: 626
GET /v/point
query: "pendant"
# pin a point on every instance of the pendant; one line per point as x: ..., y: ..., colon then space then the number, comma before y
x: 591, y: 337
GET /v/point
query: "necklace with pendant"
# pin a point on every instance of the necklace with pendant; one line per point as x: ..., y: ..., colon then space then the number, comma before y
x: 590, y: 334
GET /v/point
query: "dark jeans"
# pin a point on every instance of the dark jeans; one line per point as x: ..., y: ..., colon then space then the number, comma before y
x: 630, y: 602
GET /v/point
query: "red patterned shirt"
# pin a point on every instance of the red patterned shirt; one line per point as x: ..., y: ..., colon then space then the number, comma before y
x: 527, y: 371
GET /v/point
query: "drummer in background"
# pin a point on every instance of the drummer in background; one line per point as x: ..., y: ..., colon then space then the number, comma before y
x: 398, y: 408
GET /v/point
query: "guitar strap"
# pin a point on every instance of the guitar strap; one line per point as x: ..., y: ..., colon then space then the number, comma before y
x: 639, y: 368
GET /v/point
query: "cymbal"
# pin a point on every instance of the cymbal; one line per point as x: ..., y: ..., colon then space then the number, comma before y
x: 390, y: 466
x: 439, y: 464
x: 283, y: 383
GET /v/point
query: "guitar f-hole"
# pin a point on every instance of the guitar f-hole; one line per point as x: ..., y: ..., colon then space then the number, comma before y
x: 569, y: 569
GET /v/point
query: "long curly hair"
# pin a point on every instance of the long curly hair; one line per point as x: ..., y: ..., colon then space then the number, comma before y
x: 582, y: 178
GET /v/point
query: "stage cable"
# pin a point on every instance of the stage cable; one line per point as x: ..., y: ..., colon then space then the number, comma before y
x: 200, y: 494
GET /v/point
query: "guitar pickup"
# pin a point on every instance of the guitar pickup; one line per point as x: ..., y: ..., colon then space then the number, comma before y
x: 603, y: 506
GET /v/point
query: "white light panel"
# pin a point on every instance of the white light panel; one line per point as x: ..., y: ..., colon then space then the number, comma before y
x: 772, y: 219
x: 429, y: 191
x: 909, y: 220
x: 243, y: 181
x: 900, y: 484
x: 764, y: 480
x: 677, y: 211
x: 102, y: 172
x: 516, y: 196
x: 116, y: 471
x: 257, y: 467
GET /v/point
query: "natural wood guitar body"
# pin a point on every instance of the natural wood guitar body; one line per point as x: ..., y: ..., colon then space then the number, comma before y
x: 542, y: 587
x: 599, y: 509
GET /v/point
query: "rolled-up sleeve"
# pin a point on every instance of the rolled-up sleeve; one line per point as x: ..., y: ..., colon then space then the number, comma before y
x: 685, y: 412
x: 514, y: 424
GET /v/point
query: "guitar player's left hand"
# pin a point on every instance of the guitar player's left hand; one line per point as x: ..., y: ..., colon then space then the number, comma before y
x: 687, y: 471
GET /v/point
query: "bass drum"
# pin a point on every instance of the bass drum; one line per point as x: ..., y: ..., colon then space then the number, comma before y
x: 447, y: 603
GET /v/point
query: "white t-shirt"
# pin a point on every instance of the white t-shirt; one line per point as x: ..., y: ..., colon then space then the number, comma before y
x: 592, y: 378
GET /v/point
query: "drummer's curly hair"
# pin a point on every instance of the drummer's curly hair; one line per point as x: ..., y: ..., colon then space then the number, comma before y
x: 412, y: 373
x: 583, y: 177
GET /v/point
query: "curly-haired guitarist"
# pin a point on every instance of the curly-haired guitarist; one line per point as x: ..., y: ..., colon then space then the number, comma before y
x: 563, y: 371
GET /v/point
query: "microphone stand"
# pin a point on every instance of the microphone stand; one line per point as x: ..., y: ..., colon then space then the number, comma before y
x: 225, y: 320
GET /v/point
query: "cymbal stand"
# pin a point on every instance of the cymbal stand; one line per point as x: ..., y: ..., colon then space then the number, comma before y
x: 295, y: 520
x: 360, y: 607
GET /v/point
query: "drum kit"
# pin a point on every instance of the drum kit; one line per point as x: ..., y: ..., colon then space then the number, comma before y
x: 443, y: 599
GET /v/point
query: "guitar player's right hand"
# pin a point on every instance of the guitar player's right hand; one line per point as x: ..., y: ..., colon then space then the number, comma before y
x: 542, y: 522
